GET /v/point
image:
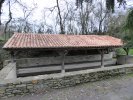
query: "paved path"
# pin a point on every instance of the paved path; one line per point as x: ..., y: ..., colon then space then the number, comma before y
x: 120, y: 88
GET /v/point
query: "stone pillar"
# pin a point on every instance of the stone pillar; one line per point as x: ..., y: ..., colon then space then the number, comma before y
x: 63, y: 65
x: 63, y: 54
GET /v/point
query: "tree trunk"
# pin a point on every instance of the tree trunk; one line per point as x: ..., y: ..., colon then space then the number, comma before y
x: 59, y: 13
x: 126, y: 50
x: 10, y: 18
x: 1, y: 3
x: 99, y: 28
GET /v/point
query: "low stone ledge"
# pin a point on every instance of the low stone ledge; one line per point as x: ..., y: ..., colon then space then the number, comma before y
x: 42, y: 83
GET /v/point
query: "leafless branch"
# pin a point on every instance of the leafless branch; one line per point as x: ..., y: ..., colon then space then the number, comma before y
x: 10, y: 18
x: 1, y: 3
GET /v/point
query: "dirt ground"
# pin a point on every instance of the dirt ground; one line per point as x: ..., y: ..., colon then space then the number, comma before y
x: 120, y: 88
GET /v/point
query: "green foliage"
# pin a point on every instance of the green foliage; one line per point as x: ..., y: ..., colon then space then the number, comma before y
x: 128, y: 29
x: 129, y: 21
x: 128, y: 42
x: 121, y: 51
x: 131, y: 52
x: 128, y: 39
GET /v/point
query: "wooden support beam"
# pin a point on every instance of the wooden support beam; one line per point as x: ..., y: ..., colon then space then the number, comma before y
x: 102, y: 52
x: 102, y: 58
x: 62, y: 65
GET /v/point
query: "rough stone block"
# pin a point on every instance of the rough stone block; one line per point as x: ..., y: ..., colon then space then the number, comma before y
x: 25, y: 91
x: 9, y: 90
x: 4, y: 97
x: 11, y: 86
x: 2, y: 90
x: 21, y: 86
x: 29, y: 84
x: 7, y: 93
x: 32, y: 90
x: 16, y: 91
x: 11, y: 95
x: 30, y: 87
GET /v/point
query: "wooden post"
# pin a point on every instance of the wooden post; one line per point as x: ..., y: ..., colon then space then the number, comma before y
x: 63, y: 61
x: 102, y: 58
x: 63, y: 66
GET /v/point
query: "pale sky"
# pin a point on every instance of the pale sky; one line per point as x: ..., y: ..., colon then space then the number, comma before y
x: 41, y: 4
x: 17, y: 11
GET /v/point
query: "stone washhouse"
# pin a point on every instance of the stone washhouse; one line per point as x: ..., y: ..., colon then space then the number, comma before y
x: 40, y: 62
x: 64, y: 53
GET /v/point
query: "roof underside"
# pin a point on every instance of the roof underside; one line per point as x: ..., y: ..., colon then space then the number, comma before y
x: 35, y: 41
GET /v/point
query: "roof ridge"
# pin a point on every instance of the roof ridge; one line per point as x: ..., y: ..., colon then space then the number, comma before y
x: 59, y: 34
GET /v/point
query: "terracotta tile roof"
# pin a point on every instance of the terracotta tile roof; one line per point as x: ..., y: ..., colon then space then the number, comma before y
x: 20, y: 40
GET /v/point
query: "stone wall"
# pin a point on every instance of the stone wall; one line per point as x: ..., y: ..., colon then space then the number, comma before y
x: 43, y: 83
x: 125, y: 59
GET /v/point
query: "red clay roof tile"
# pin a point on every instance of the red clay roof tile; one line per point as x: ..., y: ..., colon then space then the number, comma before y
x: 21, y: 40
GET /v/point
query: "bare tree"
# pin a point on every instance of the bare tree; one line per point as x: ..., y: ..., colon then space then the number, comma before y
x: 100, y: 14
x: 1, y: 3
x: 10, y: 18
x: 84, y: 17
x: 60, y: 18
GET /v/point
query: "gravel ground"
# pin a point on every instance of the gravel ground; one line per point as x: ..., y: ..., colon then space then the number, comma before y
x: 120, y: 88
